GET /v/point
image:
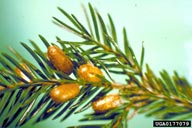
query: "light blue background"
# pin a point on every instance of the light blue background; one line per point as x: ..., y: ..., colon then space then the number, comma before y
x: 165, y: 26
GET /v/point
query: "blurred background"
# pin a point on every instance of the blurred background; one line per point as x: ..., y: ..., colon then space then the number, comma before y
x: 165, y: 27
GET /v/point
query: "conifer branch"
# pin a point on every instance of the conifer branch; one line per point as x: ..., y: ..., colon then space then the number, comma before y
x: 25, y: 85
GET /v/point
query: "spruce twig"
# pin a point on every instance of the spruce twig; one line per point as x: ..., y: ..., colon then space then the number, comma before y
x: 165, y: 97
